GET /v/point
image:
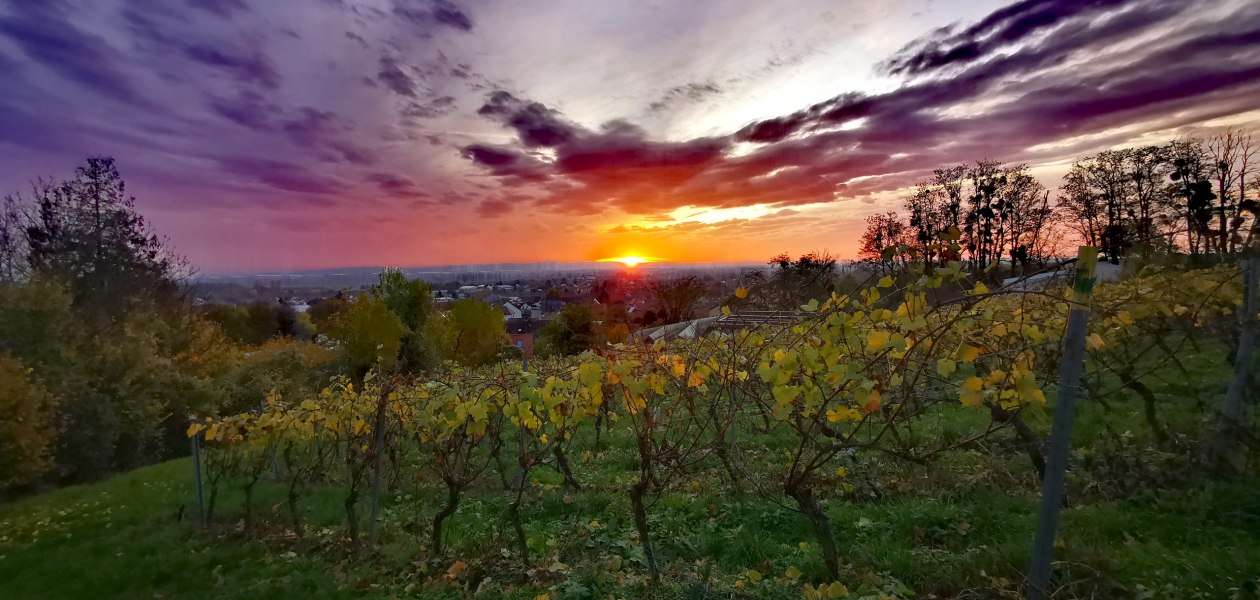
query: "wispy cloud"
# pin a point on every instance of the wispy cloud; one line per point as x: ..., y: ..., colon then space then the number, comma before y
x: 444, y: 120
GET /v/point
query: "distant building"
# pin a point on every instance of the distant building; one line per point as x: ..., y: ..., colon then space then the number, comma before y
x: 697, y: 328
x: 524, y: 341
x: 522, y: 333
x: 511, y: 311
x: 694, y: 328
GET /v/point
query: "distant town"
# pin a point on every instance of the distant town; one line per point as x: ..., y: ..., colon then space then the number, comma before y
x: 529, y: 295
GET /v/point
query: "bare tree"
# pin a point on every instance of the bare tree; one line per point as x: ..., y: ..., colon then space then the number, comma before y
x: 13, y: 247
x: 885, y: 241
x: 1232, y: 154
x: 1191, y: 181
x: 936, y: 207
x: 678, y: 300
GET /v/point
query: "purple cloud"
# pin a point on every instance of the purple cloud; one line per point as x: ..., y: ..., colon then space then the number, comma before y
x: 246, y: 68
x: 429, y: 15
x: 222, y: 8
x: 47, y: 37
x: 395, y: 78
x: 845, y: 147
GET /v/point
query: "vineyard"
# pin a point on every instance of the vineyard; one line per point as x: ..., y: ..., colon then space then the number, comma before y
x: 687, y: 465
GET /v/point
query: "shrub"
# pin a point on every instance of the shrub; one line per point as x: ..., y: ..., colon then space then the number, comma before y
x: 26, y: 435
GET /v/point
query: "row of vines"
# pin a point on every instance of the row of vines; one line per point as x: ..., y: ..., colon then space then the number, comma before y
x: 867, y: 373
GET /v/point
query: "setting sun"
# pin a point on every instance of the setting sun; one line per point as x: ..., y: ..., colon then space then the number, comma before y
x: 629, y: 261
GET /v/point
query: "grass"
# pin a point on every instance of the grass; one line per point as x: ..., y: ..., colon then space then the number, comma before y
x: 961, y: 527
x: 120, y: 538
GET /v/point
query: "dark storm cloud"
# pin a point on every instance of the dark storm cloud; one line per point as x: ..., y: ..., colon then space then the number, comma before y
x: 363, y: 43
x: 238, y: 58
x: 282, y: 175
x: 395, y: 78
x: 311, y: 126
x: 428, y: 15
x: 222, y: 8
x: 397, y: 185
x: 617, y: 162
x: 1002, y: 28
x: 437, y: 107
x: 535, y: 124
x: 251, y: 67
x: 690, y: 93
x: 352, y: 153
x: 326, y: 130
x: 502, y: 161
x: 450, y: 15
x: 857, y: 144
x: 46, y: 36
x: 1189, y: 47
x: 248, y: 109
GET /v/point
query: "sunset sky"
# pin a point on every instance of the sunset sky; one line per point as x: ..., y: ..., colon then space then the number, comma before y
x: 258, y: 135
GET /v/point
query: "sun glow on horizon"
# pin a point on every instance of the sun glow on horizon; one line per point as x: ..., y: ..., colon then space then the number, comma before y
x: 630, y: 261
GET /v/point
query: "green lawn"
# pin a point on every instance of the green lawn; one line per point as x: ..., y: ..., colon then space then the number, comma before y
x: 120, y: 538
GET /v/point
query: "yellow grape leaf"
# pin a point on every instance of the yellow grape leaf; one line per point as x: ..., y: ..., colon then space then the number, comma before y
x: 946, y: 367
x: 970, y: 392
x: 194, y: 429
x: 1034, y: 333
x: 680, y: 366
x: 1026, y: 386
x: 843, y: 413
x: 726, y: 311
x: 212, y: 432
x: 968, y: 353
x: 792, y: 573
x: 980, y: 288
x: 836, y: 590
x: 1094, y: 341
x: 543, y: 438
x: 877, y: 339
x: 842, y: 472
x: 886, y: 281
x: 741, y: 292
x: 785, y: 394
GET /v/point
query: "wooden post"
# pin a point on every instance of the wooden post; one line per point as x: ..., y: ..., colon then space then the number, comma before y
x: 1225, y: 433
x: 1061, y: 434
x: 378, y: 451
x: 196, y: 457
